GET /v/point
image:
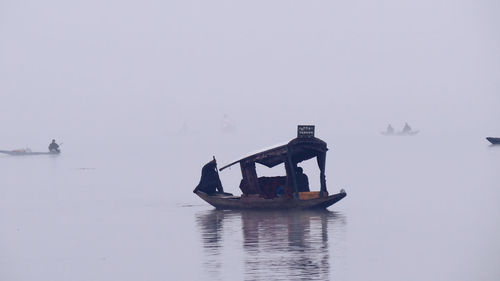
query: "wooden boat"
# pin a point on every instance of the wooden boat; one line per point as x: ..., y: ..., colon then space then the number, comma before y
x: 25, y: 152
x: 222, y: 201
x: 410, y: 133
x: 493, y: 140
x: 285, y: 192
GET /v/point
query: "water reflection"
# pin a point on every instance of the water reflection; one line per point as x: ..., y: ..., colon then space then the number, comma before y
x: 211, y: 230
x: 276, y: 245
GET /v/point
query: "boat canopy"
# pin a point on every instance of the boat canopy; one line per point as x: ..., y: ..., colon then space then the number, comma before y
x: 299, y: 149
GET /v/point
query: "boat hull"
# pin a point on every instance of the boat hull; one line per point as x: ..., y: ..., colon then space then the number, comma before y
x: 23, y: 153
x: 494, y: 140
x: 412, y: 133
x: 244, y: 202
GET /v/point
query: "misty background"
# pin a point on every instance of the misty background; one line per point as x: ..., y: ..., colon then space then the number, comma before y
x: 143, y: 93
x: 94, y: 70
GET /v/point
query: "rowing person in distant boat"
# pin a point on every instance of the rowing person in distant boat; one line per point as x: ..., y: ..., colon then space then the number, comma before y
x: 390, y: 130
x: 406, y: 128
x: 54, y: 147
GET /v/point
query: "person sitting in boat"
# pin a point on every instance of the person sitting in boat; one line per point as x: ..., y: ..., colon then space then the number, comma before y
x: 390, y: 129
x: 406, y: 128
x: 54, y: 147
x: 210, y: 182
x: 302, y: 180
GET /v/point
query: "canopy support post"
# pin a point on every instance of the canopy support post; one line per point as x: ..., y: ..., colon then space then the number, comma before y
x: 292, y: 172
x: 322, y: 178
x: 249, y: 175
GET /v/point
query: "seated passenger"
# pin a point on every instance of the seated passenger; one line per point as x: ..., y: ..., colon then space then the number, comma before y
x: 54, y: 147
x: 302, y: 180
x: 280, y: 191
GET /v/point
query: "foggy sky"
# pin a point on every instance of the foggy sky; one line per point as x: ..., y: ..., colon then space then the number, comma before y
x: 138, y: 91
x: 95, y: 69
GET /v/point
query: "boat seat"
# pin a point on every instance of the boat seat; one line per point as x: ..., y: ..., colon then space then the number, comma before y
x: 269, y: 185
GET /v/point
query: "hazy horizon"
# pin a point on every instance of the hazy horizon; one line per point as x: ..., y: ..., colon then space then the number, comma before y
x: 104, y: 69
x: 142, y: 94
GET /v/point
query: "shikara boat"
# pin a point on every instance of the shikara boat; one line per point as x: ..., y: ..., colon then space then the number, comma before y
x: 25, y: 152
x: 493, y: 140
x: 224, y: 201
x: 406, y: 131
x: 282, y: 192
x: 410, y: 133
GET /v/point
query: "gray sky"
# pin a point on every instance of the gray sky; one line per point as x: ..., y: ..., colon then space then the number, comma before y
x: 125, y: 68
x: 137, y: 91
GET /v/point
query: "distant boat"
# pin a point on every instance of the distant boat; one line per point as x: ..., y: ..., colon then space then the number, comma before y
x: 406, y: 131
x: 493, y: 140
x: 388, y: 133
x: 25, y: 152
x: 280, y: 192
x: 410, y: 133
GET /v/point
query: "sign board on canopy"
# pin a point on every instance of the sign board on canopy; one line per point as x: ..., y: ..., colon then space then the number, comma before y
x: 305, y: 131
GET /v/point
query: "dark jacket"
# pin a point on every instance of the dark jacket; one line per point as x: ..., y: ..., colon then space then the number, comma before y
x: 53, y: 146
x: 210, y: 182
x: 302, y: 182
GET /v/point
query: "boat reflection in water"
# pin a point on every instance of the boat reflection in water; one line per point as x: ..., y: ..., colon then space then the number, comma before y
x: 273, y: 245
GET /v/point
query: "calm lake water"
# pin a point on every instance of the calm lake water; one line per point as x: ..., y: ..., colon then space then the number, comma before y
x: 417, y: 208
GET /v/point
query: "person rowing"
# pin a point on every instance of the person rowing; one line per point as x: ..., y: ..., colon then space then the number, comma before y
x: 54, y: 147
x: 406, y: 128
x: 390, y: 130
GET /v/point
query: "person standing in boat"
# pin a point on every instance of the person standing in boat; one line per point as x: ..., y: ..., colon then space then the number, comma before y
x: 54, y: 147
x: 210, y: 182
x: 302, y: 180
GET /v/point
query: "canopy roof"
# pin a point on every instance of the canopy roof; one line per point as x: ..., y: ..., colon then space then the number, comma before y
x: 300, y: 149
